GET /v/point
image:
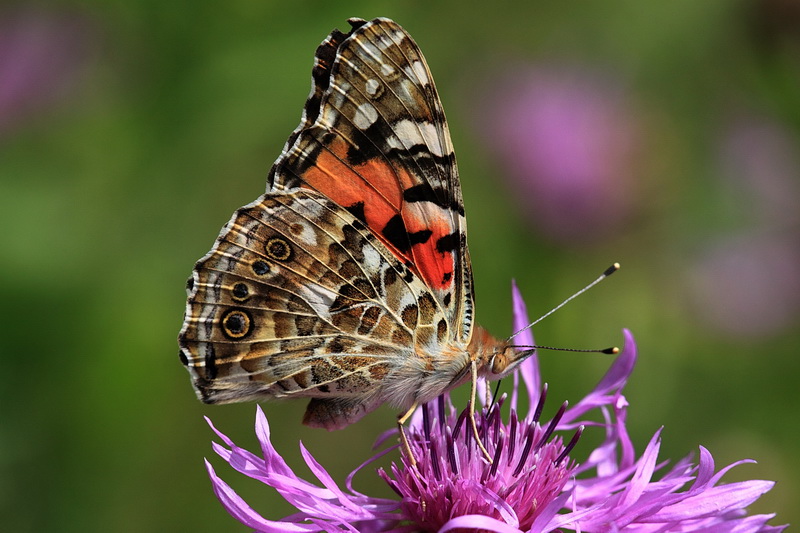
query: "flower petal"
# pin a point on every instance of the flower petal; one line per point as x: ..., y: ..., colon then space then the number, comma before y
x: 479, y: 522
x: 335, y: 492
x: 275, y: 462
x: 528, y: 369
x: 714, y: 501
x: 615, y: 379
x: 245, y: 514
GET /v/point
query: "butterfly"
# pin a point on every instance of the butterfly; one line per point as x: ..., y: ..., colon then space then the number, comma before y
x: 349, y: 281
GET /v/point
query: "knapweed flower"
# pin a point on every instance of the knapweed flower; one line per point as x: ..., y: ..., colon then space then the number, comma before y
x: 747, y: 285
x: 567, y: 138
x: 757, y: 166
x: 746, y: 282
x: 42, y: 52
x: 534, y: 482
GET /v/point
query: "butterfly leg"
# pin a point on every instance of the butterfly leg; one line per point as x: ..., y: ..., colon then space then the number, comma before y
x: 401, y: 420
x: 473, y: 394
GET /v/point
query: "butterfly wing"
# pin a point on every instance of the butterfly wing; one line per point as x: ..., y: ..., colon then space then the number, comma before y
x: 374, y: 139
x: 348, y: 281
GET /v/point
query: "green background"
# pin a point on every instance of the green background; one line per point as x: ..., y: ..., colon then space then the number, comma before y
x: 114, y: 182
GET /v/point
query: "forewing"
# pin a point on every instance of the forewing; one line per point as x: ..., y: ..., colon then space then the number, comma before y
x: 374, y: 139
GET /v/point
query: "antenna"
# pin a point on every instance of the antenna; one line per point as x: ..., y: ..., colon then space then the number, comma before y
x: 610, y: 270
x: 533, y: 347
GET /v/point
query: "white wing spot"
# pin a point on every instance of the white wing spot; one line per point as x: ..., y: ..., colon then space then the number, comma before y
x: 372, y: 87
x: 372, y: 258
x: 396, y: 35
x: 387, y: 70
x: 410, y: 133
x: 421, y: 72
x: 371, y: 50
x: 366, y: 115
x: 328, y: 117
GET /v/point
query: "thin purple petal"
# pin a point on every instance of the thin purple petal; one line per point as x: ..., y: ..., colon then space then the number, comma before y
x: 478, y: 522
x: 714, y: 501
x: 529, y: 369
x: 614, y: 379
x: 245, y: 514
x: 274, y: 460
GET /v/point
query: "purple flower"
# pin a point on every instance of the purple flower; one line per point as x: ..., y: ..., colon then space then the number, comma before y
x: 321, y: 507
x: 746, y: 282
x: 758, y: 167
x: 566, y: 138
x: 533, y: 484
x: 41, y: 55
x: 748, y: 285
x: 450, y: 478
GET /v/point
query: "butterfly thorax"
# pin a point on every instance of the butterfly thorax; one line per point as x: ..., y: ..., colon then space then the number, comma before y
x: 433, y: 372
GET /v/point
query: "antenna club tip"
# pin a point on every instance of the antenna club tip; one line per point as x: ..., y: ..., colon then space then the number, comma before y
x: 610, y: 270
x: 611, y: 351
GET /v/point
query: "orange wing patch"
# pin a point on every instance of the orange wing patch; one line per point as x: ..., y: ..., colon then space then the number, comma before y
x: 434, y: 258
x: 375, y: 183
x: 420, y: 234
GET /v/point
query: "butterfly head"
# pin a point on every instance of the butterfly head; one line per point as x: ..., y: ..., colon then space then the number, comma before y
x: 497, y: 358
x: 504, y: 360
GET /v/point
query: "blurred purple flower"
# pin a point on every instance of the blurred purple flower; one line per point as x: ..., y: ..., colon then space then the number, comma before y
x: 758, y: 158
x: 566, y: 139
x: 747, y: 283
x: 532, y: 485
x: 41, y: 53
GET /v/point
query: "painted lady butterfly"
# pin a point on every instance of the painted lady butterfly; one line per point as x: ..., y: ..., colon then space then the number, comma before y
x: 349, y: 281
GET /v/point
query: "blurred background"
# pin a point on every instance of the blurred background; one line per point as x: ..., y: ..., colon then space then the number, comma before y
x: 660, y: 135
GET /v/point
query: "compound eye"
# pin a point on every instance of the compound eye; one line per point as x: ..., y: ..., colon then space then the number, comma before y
x: 499, y: 364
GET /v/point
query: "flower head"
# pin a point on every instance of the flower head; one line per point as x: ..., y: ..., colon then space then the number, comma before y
x: 566, y: 139
x: 534, y: 483
x: 451, y: 478
x: 42, y: 52
x: 745, y: 282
